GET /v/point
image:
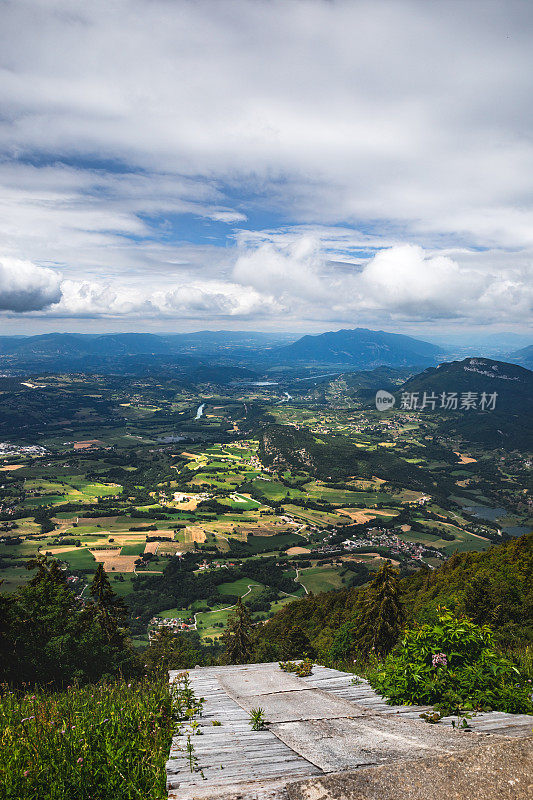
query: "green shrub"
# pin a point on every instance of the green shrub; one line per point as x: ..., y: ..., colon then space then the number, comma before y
x: 454, y: 665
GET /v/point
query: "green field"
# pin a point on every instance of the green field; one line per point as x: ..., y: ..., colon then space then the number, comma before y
x: 133, y: 549
x: 320, y: 579
x: 81, y: 558
x: 239, y: 587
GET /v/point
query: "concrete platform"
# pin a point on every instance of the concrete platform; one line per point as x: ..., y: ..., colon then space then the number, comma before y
x: 328, y: 735
x: 500, y: 769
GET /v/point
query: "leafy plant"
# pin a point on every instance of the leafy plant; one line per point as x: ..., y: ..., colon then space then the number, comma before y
x: 185, y: 704
x: 257, y: 719
x: 431, y: 717
x: 454, y: 665
x: 302, y: 668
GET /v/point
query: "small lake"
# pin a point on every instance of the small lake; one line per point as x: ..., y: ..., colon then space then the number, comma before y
x: 517, y: 530
x: 485, y: 512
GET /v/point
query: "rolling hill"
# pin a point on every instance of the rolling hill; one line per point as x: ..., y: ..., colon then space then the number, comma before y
x: 507, y: 425
x: 359, y: 348
x: 512, y: 383
x: 524, y: 356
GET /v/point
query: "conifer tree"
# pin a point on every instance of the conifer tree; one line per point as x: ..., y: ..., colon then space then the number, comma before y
x: 378, y: 626
x: 110, y: 608
x: 296, y: 644
x: 237, y: 638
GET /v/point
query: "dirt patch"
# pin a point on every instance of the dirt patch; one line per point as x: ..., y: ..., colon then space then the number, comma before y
x: 66, y: 548
x: 11, y: 467
x: 151, y: 547
x: 111, y: 559
x: 86, y: 445
x: 189, y: 455
x: 194, y: 533
x: 364, y: 515
x: 465, y: 459
x: 297, y: 551
x: 375, y: 556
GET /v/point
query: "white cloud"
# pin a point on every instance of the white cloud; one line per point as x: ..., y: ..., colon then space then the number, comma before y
x: 286, y: 270
x: 89, y: 299
x: 404, y: 279
x: 25, y: 287
x: 356, y: 126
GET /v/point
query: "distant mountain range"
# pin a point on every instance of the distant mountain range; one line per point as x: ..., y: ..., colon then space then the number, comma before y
x: 359, y: 348
x: 352, y: 349
x: 344, y: 351
x: 80, y: 345
x: 524, y: 356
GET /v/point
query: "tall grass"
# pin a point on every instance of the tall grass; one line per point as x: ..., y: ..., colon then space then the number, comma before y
x: 100, y: 742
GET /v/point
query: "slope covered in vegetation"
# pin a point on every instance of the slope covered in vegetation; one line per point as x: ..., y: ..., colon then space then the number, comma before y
x: 493, y: 587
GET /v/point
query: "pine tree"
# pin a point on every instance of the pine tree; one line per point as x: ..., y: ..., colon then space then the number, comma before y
x: 169, y: 650
x: 379, y: 624
x: 109, y: 607
x: 237, y: 638
x: 296, y: 644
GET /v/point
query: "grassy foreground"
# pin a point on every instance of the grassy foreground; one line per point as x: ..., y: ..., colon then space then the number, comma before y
x: 98, y: 742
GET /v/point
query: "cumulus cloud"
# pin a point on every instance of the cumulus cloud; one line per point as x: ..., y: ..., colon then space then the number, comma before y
x: 26, y: 287
x: 284, y: 270
x: 211, y: 299
x: 405, y: 279
x: 399, y: 283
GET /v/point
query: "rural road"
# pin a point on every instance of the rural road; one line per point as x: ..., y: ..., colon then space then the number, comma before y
x: 226, y: 608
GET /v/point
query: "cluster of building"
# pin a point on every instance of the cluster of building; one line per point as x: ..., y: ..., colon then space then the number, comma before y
x: 7, y: 449
x: 381, y: 537
x: 176, y: 624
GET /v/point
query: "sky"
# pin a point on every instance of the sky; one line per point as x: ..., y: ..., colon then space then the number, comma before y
x: 299, y: 165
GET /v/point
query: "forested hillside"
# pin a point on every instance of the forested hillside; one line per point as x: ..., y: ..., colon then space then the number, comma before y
x: 492, y: 587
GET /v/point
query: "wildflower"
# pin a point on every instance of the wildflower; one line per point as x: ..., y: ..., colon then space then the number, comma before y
x: 26, y: 772
x: 80, y: 760
x: 439, y: 658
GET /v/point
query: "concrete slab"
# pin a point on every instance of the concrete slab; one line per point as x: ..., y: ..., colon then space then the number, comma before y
x: 498, y: 770
x: 341, y: 744
x: 298, y: 705
x: 269, y: 680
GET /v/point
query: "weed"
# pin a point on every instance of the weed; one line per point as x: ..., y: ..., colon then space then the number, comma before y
x: 301, y: 668
x: 257, y: 719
